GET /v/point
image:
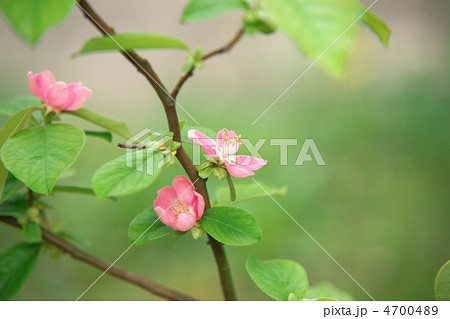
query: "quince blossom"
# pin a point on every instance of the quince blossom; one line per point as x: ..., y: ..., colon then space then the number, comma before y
x: 221, y: 150
x: 57, y: 95
x: 179, y: 206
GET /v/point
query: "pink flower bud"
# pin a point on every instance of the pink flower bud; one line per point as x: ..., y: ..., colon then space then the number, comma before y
x: 58, y: 96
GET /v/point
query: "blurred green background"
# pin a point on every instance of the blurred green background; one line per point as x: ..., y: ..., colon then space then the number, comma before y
x: 380, y: 206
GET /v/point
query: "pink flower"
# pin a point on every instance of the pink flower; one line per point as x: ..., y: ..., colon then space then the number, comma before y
x: 179, y: 206
x: 226, y: 144
x: 58, y: 96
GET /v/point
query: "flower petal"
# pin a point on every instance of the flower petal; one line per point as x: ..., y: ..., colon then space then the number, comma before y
x: 237, y: 170
x: 198, y: 205
x: 166, y: 196
x: 82, y: 93
x: 250, y: 162
x: 184, y: 222
x: 59, y: 96
x: 222, y: 134
x: 208, y: 145
x: 184, y: 188
x: 166, y: 216
x: 33, y: 86
x: 44, y: 81
x: 227, y: 142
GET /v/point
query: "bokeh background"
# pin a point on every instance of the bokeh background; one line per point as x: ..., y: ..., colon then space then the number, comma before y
x: 380, y: 206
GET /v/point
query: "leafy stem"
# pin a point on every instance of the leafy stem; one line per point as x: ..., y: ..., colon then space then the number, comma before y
x: 169, y: 103
x: 227, y: 47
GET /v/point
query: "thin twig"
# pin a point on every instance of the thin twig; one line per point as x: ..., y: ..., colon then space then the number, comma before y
x: 126, y: 275
x: 223, y: 49
x: 132, y: 146
x: 168, y: 101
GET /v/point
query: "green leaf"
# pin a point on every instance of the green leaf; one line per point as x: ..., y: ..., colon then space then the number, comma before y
x: 182, y: 124
x: 3, y: 176
x: 104, y: 135
x: 231, y: 226
x: 245, y: 192
x: 115, y: 178
x: 207, y: 131
x: 315, y: 25
x: 73, y: 189
x: 18, y: 103
x: 15, y: 124
x: 16, y: 265
x: 12, y: 186
x: 141, y: 224
x: 38, y: 155
x: 132, y: 41
x: 31, y: 232
x: 31, y: 18
x: 17, y: 204
x: 328, y: 291
x: 378, y: 26
x: 319, y: 299
x: 219, y: 172
x: 280, y: 279
x: 12, y: 126
x: 194, y: 61
x: 442, y: 283
x: 120, y: 128
x: 205, y: 9
x: 204, y: 173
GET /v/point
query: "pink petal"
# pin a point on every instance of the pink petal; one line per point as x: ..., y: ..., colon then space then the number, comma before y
x: 44, y: 81
x: 250, y: 162
x: 225, y: 145
x: 166, y: 216
x: 208, y: 145
x: 222, y: 134
x: 82, y: 93
x: 185, y: 222
x: 237, y: 170
x: 166, y: 196
x: 33, y: 86
x: 199, y: 205
x: 75, y: 85
x: 184, y: 188
x: 60, y: 96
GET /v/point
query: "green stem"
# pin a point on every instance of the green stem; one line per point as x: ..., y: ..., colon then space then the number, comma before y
x: 232, y: 189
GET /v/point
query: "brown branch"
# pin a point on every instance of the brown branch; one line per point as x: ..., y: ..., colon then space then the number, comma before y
x: 226, y: 47
x: 169, y: 103
x: 223, y: 49
x: 128, y: 276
